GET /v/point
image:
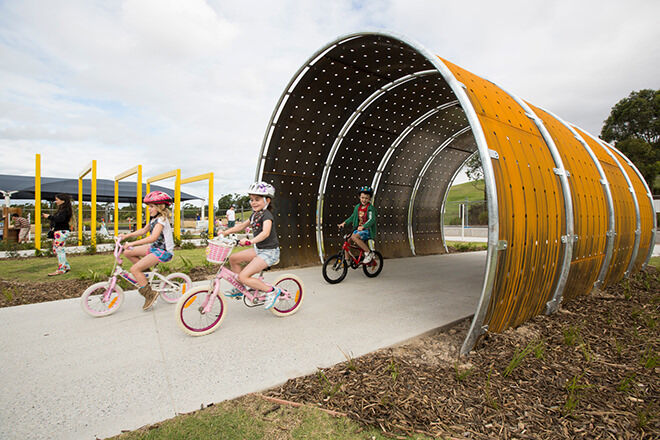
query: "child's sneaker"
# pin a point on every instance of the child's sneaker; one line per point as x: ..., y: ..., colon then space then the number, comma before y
x: 234, y: 293
x: 368, y: 258
x: 272, y: 297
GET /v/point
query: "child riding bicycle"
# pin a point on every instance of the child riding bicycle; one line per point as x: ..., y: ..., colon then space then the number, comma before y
x: 156, y: 248
x: 266, y: 247
x: 364, y: 217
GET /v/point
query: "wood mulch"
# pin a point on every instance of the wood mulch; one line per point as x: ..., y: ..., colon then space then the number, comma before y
x: 589, y: 371
x: 14, y: 292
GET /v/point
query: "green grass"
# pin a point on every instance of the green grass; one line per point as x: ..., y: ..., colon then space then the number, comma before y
x: 655, y: 262
x: 470, y: 191
x: 36, y: 269
x: 253, y: 418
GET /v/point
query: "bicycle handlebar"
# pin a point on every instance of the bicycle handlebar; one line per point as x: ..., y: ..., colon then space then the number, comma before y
x: 118, y: 250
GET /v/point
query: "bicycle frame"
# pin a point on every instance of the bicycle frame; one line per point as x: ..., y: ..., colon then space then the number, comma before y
x: 118, y: 271
x: 232, y: 278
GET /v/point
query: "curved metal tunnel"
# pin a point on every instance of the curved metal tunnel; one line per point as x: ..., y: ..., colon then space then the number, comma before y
x: 566, y: 210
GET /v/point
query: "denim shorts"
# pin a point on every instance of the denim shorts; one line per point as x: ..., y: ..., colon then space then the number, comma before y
x: 363, y: 234
x: 162, y: 255
x: 270, y: 256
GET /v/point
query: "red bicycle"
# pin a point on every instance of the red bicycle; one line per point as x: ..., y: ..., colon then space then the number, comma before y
x: 336, y: 266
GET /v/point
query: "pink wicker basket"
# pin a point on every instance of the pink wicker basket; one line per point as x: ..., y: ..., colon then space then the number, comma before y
x: 217, y: 252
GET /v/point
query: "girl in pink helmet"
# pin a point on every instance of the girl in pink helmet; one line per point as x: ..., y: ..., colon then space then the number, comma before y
x: 264, y: 248
x: 155, y: 248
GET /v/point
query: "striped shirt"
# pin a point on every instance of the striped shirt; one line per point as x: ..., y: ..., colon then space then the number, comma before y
x: 21, y: 222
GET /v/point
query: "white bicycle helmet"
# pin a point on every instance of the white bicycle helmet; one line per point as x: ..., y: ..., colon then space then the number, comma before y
x: 262, y: 189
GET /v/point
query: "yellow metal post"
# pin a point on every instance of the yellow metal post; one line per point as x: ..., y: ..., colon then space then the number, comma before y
x: 138, y: 195
x: 177, y: 197
x: 208, y: 176
x: 90, y: 168
x: 37, y: 202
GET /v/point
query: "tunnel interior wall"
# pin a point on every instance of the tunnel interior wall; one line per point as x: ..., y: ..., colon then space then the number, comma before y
x: 566, y: 211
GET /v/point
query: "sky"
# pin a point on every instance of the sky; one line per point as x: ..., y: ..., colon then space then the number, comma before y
x: 191, y: 84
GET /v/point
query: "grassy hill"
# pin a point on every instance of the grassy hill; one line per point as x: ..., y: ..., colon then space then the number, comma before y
x: 473, y: 193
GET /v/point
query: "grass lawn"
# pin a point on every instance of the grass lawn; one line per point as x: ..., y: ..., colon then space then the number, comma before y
x: 253, y: 418
x: 85, y: 266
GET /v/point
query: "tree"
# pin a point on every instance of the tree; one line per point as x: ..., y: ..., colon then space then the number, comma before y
x: 634, y: 126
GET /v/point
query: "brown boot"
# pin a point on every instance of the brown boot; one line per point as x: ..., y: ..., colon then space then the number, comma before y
x: 149, y: 296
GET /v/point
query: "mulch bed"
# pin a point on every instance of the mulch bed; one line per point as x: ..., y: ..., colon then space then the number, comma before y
x: 15, y: 293
x: 589, y: 371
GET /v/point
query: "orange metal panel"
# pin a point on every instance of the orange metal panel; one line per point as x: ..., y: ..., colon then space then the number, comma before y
x: 531, y: 212
x: 589, y: 208
x: 645, y: 211
x: 624, y: 212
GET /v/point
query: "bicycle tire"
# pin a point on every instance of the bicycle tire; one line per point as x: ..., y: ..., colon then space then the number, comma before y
x: 92, y: 302
x: 374, y: 267
x: 189, y: 314
x: 335, y: 269
x: 171, y: 294
x: 290, y: 283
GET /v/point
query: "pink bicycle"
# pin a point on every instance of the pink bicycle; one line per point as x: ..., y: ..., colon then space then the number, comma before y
x: 201, y: 310
x: 104, y: 298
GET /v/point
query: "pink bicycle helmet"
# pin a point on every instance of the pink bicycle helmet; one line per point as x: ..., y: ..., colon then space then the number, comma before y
x: 158, y: 198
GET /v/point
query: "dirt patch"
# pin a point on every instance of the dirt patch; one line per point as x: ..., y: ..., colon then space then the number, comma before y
x: 590, y: 371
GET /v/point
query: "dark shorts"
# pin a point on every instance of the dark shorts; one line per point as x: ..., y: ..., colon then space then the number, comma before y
x: 162, y: 255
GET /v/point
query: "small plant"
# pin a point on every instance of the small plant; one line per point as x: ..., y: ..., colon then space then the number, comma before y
x: 328, y: 389
x: 518, y: 356
x: 90, y: 250
x: 573, y: 399
x: 489, y: 399
x: 618, y: 346
x: 462, y: 375
x: 187, y: 264
x: 349, y: 358
x: 539, y: 350
x: 393, y: 369
x: 644, y: 416
x: 649, y: 359
x: 188, y: 245
x: 9, y: 294
x: 586, y: 351
x: 626, y: 384
x: 572, y: 336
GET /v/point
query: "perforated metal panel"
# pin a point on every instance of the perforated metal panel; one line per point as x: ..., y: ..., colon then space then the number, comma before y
x: 377, y: 109
x: 624, y: 212
x: 589, y: 208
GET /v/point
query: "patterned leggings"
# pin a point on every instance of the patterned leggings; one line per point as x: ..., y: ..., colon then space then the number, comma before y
x: 58, y: 249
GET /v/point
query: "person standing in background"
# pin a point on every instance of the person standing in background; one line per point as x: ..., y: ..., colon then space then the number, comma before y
x: 231, y: 217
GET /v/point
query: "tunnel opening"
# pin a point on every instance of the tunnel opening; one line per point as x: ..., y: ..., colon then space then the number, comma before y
x: 380, y: 110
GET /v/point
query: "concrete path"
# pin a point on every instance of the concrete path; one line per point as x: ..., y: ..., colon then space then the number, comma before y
x: 67, y: 375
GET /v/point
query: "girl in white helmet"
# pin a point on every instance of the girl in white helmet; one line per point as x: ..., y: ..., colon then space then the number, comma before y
x: 265, y: 250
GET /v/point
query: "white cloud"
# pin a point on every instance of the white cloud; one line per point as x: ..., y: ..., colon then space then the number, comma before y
x: 192, y: 84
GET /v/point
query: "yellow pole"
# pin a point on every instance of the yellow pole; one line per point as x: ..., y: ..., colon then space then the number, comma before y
x: 116, y: 208
x: 37, y: 202
x: 177, y: 204
x: 80, y: 211
x: 211, y: 213
x: 93, y: 237
x: 208, y: 176
x: 138, y: 202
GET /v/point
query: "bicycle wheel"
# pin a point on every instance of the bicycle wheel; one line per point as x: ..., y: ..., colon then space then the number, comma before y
x: 294, y: 286
x: 190, y: 312
x: 373, y: 268
x: 334, y: 269
x: 175, y: 285
x: 92, y: 301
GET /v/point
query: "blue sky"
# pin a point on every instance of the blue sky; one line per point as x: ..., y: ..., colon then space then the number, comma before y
x: 191, y: 84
